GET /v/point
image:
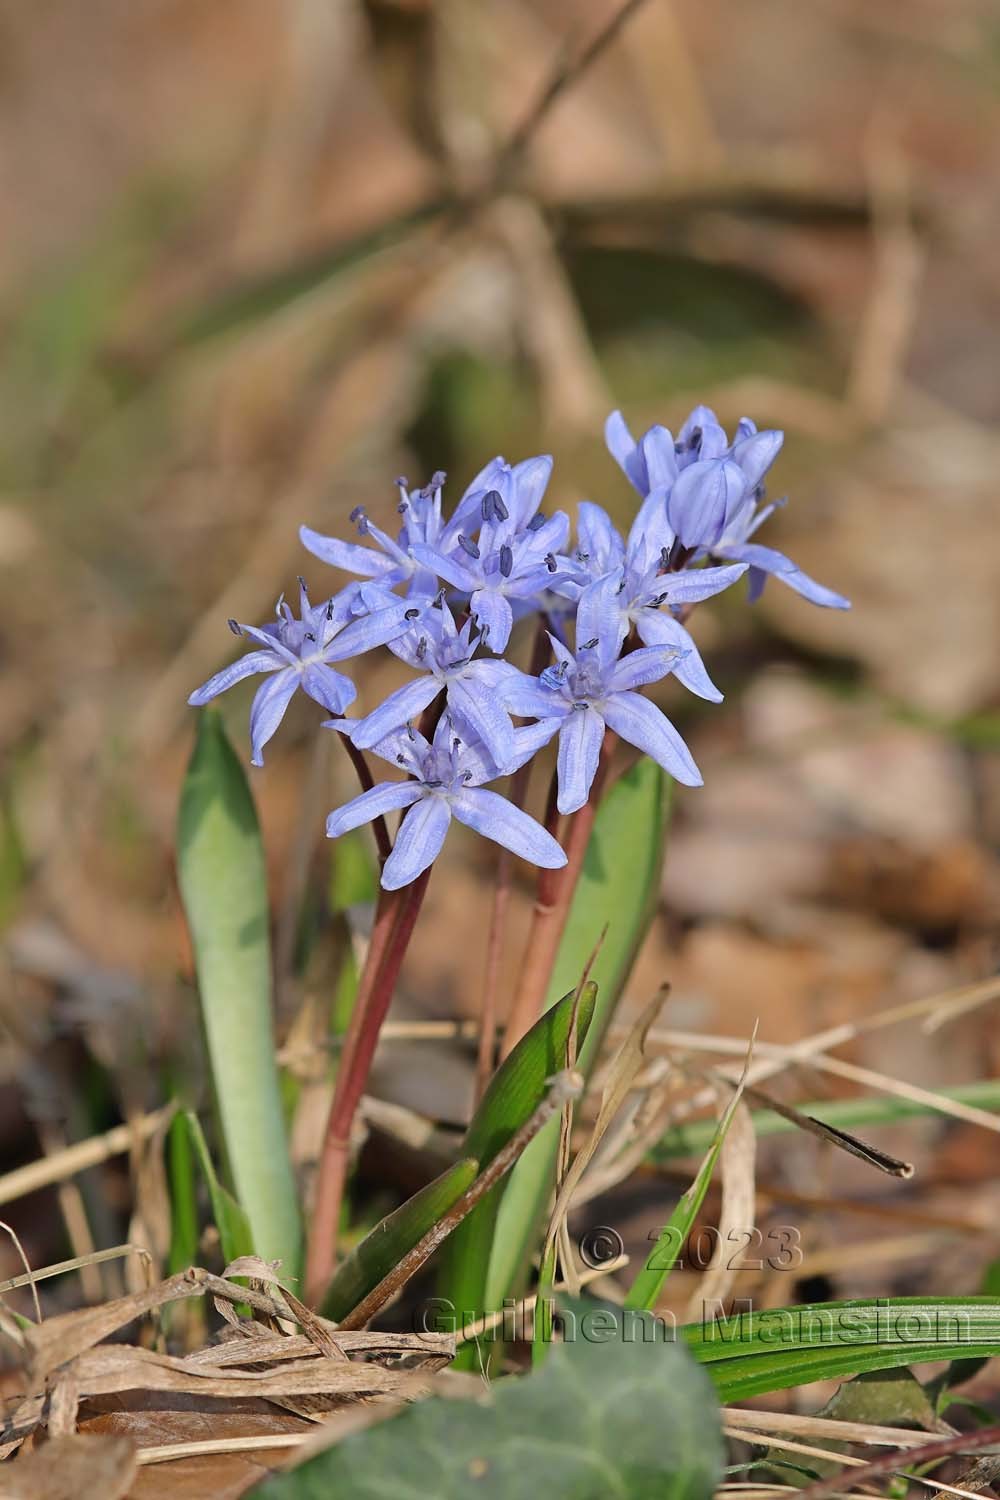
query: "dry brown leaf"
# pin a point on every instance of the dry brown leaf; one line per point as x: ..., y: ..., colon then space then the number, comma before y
x: 737, y: 1164
x: 72, y: 1468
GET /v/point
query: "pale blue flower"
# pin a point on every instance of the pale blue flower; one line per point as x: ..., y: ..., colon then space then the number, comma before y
x: 446, y: 655
x: 297, y: 653
x: 711, y: 492
x: 593, y: 689
x: 446, y: 781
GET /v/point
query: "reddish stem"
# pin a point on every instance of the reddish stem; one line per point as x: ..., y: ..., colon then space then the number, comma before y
x: 555, y: 893
x: 394, y: 925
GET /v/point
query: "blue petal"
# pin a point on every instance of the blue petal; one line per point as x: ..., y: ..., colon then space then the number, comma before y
x: 623, y: 449
x: 756, y: 454
x: 268, y: 709
x: 386, y: 797
x: 527, y: 697
x: 245, y: 666
x: 372, y: 630
x: 485, y: 713
x: 657, y: 448
x: 530, y: 479
x: 446, y: 566
x: 598, y: 539
x: 350, y: 556
x: 398, y: 709
x: 696, y: 584
x: 700, y: 501
x: 768, y: 561
x: 492, y: 614
x: 657, y: 628
x: 640, y: 668
x: 641, y: 723
x: 497, y: 819
x: 580, y: 739
x: 475, y: 763
x: 599, y: 616
x: 332, y: 689
x: 418, y: 842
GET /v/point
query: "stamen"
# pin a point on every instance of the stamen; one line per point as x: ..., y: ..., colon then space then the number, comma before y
x: 589, y: 645
x: 493, y: 507
x: 581, y: 556
x: 421, y: 651
x: 550, y: 562
x: 537, y: 521
x: 410, y: 614
x: 329, y: 610
x: 359, y: 517
x: 235, y: 627
x: 309, y: 636
x: 437, y: 479
x: 469, y: 548
x: 506, y: 561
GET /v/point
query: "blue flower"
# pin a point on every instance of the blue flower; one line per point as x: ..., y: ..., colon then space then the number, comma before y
x: 436, y: 647
x: 593, y: 689
x: 446, y: 781
x: 392, y: 562
x: 298, y: 653
x: 644, y: 593
x: 711, y: 492
x: 506, y: 553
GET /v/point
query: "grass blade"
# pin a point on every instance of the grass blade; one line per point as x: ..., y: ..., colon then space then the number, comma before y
x: 223, y: 885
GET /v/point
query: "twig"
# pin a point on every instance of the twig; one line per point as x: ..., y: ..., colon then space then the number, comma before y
x: 565, y: 1086
x: 566, y: 73
x: 81, y: 1155
x: 29, y: 1278
x: 62, y: 1267
x: 962, y: 1442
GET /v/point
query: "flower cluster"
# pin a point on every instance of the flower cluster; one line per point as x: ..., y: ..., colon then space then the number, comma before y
x: 445, y: 594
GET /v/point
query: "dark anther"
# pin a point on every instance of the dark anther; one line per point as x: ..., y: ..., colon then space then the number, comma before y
x: 410, y: 614
x: 409, y: 731
x: 401, y: 760
x: 469, y: 548
x: 550, y: 562
x: 357, y: 514
x: 694, y: 441
x: 493, y: 507
x: 467, y: 776
x: 589, y: 645
x: 235, y: 627
x: 664, y: 558
x: 437, y: 479
x: 506, y: 561
x: 309, y: 636
x: 537, y: 521
x: 433, y: 783
x: 329, y: 610
x: 582, y: 556
x: 421, y: 648
x: 456, y: 745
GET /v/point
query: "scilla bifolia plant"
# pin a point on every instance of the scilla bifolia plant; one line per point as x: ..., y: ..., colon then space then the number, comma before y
x: 444, y: 594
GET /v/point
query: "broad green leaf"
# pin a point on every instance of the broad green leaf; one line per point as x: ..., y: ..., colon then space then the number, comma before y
x: 515, y: 1092
x: 749, y: 1352
x: 619, y: 886
x: 883, y: 1398
x: 647, y: 1286
x: 602, y: 1417
x: 223, y: 885
x: 392, y: 1238
x: 230, y: 1220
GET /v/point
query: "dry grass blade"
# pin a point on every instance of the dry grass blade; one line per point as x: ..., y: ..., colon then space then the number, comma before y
x: 29, y: 1276
x: 63, y: 1267
x: 822, y: 1427
x: 737, y: 1168
x: 891, y: 1165
x: 76, y: 1158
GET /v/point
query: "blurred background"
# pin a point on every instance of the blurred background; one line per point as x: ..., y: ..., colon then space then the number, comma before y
x: 257, y: 260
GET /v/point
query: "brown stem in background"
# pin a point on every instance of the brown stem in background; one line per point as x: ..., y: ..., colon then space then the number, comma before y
x: 555, y: 893
x: 397, y: 915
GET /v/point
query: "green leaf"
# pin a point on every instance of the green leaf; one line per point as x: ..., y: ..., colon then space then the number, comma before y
x: 230, y: 1220
x: 515, y: 1092
x: 883, y: 1398
x: 647, y: 1286
x: 602, y: 1417
x: 224, y: 889
x: 392, y: 1238
x: 619, y: 886
x: 750, y: 1352
x: 183, y: 1197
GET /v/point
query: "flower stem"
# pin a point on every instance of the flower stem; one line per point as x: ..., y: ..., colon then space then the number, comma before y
x: 360, y: 764
x: 394, y: 923
x: 554, y: 896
